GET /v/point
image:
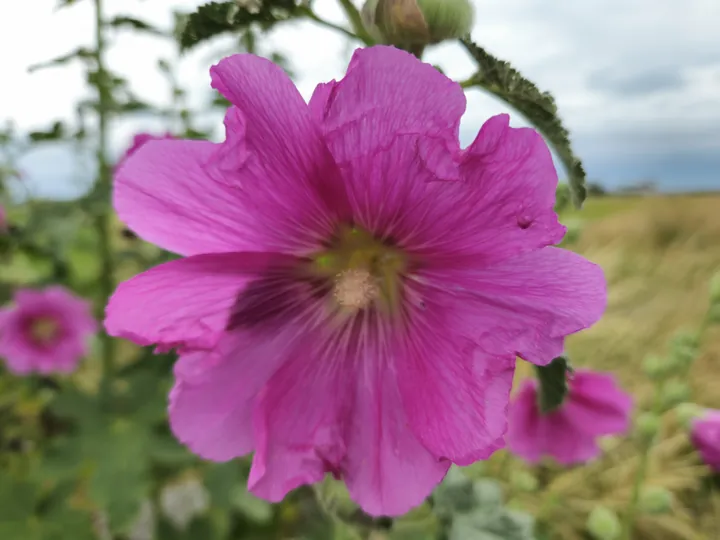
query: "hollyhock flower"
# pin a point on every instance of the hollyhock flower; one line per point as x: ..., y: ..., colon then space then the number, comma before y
x: 705, y: 435
x: 138, y: 141
x: 45, y: 331
x: 355, y: 287
x: 595, y: 406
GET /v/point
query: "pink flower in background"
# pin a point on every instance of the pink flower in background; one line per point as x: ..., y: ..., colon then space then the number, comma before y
x: 705, y: 436
x: 3, y: 220
x: 45, y: 331
x: 139, y: 140
x: 355, y: 287
x: 595, y: 406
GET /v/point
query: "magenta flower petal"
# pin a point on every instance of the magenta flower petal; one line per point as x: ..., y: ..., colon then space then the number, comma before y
x: 528, y: 304
x: 594, y: 407
x: 46, y: 331
x: 387, y: 93
x: 281, y: 135
x: 138, y: 141
x: 164, y: 193
x: 186, y: 301
x: 705, y: 436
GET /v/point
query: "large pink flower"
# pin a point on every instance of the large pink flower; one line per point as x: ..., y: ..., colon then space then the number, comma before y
x: 356, y: 287
x: 45, y: 331
x: 595, y: 406
x: 705, y: 436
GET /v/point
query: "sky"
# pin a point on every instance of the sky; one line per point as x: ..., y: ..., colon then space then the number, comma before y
x: 637, y: 81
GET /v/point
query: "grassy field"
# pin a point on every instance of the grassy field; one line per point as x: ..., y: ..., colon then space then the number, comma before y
x: 659, y: 254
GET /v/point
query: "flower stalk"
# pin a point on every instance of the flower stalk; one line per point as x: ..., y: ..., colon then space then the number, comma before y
x: 103, y: 219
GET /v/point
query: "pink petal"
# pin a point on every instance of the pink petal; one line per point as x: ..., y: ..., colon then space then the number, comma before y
x: 705, y: 436
x: 281, y: 136
x: 512, y: 181
x: 526, y: 305
x: 560, y: 440
x: 164, y: 193
x: 320, y: 100
x: 455, y: 394
x: 212, y: 402
x: 524, y: 423
x: 388, y: 470
x: 596, y: 405
x: 298, y: 419
x: 388, y: 93
x: 185, y: 301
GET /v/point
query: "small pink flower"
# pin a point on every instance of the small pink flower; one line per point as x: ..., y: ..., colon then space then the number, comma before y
x: 705, y: 436
x: 138, y: 141
x: 355, y: 286
x: 45, y: 331
x: 595, y: 406
x: 3, y: 220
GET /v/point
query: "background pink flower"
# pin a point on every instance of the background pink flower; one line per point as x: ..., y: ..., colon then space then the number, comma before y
x: 705, y: 436
x: 595, y: 406
x: 355, y: 287
x: 45, y: 331
x: 3, y: 220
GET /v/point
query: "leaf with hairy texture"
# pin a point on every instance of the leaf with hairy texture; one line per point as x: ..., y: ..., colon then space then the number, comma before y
x: 217, y: 18
x: 553, y: 383
x: 504, y: 81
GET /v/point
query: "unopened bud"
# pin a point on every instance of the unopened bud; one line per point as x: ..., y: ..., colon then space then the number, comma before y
x: 647, y: 425
x: 674, y: 392
x: 603, y: 524
x: 684, y: 350
x: 656, y: 367
x: 523, y: 481
x: 407, y: 23
x: 655, y: 500
x: 687, y: 412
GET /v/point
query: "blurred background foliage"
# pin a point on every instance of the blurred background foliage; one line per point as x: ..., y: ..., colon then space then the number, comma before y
x: 77, y: 463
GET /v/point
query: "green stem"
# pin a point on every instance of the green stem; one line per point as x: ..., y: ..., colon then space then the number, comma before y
x: 356, y: 22
x: 103, y: 221
x: 310, y: 14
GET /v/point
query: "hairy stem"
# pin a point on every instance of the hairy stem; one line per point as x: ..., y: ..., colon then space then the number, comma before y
x: 103, y: 220
x: 310, y: 14
x: 356, y: 22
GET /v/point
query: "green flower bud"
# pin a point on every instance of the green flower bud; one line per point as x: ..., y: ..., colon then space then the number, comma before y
x: 647, y: 425
x: 416, y: 23
x: 523, y: 481
x: 655, y: 500
x: 673, y: 393
x: 656, y: 367
x: 603, y: 524
x: 684, y: 350
x: 715, y: 289
x: 687, y: 412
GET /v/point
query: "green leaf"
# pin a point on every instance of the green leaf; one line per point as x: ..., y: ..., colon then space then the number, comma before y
x: 504, y: 81
x: 56, y: 132
x: 221, y: 479
x: 217, y: 18
x: 454, y: 494
x: 492, y: 524
x: 256, y: 510
x: 81, y: 53
x: 131, y: 23
x: 553, y: 383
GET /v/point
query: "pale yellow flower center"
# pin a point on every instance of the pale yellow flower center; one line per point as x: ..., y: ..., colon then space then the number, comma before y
x: 44, y: 330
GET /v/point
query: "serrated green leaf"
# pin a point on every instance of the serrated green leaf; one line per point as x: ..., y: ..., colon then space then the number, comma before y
x: 553, y: 384
x: 125, y: 21
x: 217, y: 18
x: 504, y: 81
x: 81, y: 53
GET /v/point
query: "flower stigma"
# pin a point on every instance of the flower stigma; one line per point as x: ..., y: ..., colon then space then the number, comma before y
x: 364, y: 271
x: 44, y: 330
